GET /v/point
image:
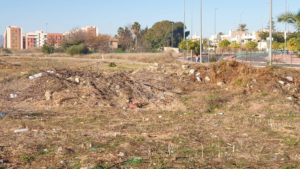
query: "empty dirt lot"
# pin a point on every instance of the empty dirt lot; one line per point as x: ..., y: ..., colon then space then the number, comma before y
x: 146, y: 111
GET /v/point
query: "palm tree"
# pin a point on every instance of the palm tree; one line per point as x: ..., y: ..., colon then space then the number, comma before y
x: 292, y: 18
x: 242, y: 28
x: 136, y: 29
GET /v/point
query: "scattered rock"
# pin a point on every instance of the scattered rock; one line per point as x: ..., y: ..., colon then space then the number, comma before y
x: 23, y: 130
x: 207, y: 79
x: 48, y: 95
x: 184, y: 67
x: 13, y: 95
x: 64, y: 151
x: 77, y: 79
x: 121, y: 154
x: 290, y: 98
x: 50, y: 71
x: 192, y: 71
x: 2, y: 114
x: 156, y: 64
x: 281, y: 82
x: 198, y: 77
x: 290, y: 78
x: 36, y: 76
x: 2, y: 161
x: 220, y: 84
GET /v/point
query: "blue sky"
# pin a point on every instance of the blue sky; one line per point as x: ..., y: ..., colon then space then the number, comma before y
x: 108, y: 15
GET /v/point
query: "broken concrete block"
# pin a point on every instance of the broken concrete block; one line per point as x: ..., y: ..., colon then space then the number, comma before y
x: 35, y: 76
x: 207, y: 79
x: 23, y: 130
x: 77, y: 79
x: 290, y: 98
x: 290, y: 78
x: 192, y: 71
x: 220, y: 84
x: 48, y: 95
x: 281, y: 82
x: 13, y: 95
x: 184, y: 67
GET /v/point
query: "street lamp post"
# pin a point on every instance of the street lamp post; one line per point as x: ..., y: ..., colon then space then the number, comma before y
x: 285, y: 30
x: 201, y: 34
x: 270, y: 32
x: 215, y: 31
x: 215, y: 21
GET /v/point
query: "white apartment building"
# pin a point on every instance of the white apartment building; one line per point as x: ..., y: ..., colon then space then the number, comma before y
x: 235, y: 36
x: 35, y: 39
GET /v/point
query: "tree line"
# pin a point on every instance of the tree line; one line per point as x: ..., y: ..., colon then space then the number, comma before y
x: 135, y: 38
x: 131, y: 38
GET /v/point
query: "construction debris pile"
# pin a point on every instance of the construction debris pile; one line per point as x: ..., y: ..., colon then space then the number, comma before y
x: 153, y: 87
x: 70, y: 88
x: 235, y: 75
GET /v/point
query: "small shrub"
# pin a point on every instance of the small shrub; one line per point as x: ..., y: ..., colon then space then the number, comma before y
x: 119, y: 50
x: 48, y: 49
x: 112, y: 64
x: 134, y: 161
x: 26, y: 158
x: 78, y: 49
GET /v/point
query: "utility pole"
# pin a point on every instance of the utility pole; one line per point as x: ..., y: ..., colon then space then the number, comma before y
x: 285, y: 30
x: 184, y: 38
x: 270, y: 32
x: 215, y: 24
x: 172, y: 39
x: 201, y: 34
x: 184, y: 20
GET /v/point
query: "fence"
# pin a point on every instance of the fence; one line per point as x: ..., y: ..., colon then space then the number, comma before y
x: 280, y: 58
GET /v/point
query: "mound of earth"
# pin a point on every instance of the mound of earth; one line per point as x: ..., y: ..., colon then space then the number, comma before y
x: 68, y: 88
x: 237, y: 75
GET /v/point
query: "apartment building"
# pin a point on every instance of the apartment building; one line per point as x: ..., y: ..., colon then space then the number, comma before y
x: 92, y: 31
x: 13, y: 38
x: 35, y: 39
x: 55, y: 39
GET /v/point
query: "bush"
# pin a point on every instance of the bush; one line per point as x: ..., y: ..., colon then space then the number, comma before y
x: 78, y: 49
x: 112, y: 64
x: 251, y: 46
x: 48, y: 49
x: 294, y: 44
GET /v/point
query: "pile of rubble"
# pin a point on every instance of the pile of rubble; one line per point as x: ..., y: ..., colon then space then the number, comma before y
x: 237, y: 75
x: 66, y: 87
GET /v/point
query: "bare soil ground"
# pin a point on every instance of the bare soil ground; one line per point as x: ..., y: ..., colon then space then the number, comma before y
x: 146, y: 112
